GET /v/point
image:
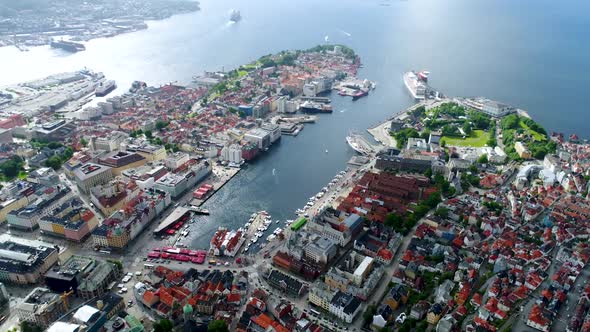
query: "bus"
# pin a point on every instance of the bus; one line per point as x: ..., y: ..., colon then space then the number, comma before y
x: 314, y: 312
x: 148, y: 266
x: 108, y: 252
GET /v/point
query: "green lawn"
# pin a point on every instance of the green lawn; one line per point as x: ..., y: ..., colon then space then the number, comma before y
x: 478, y: 139
x: 536, y: 135
x: 252, y: 65
x: 242, y: 73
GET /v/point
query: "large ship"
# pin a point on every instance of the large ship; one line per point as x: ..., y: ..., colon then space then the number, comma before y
x: 313, y: 107
x: 416, y: 83
x: 68, y: 45
x: 235, y: 16
x: 104, y: 88
x: 358, y: 143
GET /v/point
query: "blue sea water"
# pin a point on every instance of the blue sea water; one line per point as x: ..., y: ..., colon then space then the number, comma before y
x: 533, y: 54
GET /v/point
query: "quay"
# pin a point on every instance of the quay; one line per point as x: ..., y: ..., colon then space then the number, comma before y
x: 381, y: 134
x: 298, y: 119
x: 178, y: 213
x: 324, y: 100
x: 222, y: 175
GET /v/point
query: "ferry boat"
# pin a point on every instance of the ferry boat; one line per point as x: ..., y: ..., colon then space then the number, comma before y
x: 68, y: 45
x: 313, y: 107
x: 416, y: 83
x: 105, y: 88
x: 359, y: 93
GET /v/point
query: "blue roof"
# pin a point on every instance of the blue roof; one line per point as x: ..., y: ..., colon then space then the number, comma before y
x: 353, y: 220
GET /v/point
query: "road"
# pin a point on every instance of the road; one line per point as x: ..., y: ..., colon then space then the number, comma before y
x: 518, y: 320
x: 389, y: 270
x: 381, y: 134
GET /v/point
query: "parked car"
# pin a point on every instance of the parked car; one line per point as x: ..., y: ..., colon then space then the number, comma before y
x: 401, y: 318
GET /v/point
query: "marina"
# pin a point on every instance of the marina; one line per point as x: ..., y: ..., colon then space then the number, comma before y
x: 256, y: 228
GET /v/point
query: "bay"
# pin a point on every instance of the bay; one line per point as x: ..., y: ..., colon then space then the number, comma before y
x: 531, y: 54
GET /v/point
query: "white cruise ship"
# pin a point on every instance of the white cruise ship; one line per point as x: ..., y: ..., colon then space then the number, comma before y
x: 416, y: 83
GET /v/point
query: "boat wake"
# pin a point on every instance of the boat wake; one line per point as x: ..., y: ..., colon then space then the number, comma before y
x: 274, y: 171
x: 346, y: 33
x: 342, y: 111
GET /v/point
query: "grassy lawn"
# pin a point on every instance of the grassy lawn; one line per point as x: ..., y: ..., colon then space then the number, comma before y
x: 252, y: 65
x: 536, y: 135
x: 242, y: 73
x: 478, y: 139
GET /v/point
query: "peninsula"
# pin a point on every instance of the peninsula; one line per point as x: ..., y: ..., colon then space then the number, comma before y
x: 467, y: 215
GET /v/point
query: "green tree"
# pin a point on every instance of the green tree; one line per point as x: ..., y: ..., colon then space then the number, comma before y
x: 394, y: 221
x: 160, y: 124
x: 368, y: 314
x: 53, y: 162
x: 466, y: 128
x: 84, y: 142
x: 483, y: 159
x: 511, y: 121
x: 217, y: 326
x: 442, y: 212
x: 29, y: 327
x: 164, y: 325
x: 148, y: 134
x: 10, y: 168
x: 433, y: 200
x: 54, y: 145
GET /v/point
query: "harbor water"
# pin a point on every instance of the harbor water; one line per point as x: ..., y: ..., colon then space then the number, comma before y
x: 532, y: 54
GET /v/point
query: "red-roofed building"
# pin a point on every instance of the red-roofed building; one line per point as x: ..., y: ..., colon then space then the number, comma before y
x: 538, y: 319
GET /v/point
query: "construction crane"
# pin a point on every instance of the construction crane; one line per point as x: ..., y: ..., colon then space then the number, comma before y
x: 64, y: 298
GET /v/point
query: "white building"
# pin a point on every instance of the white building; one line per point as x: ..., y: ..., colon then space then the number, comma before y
x: 176, y: 160
x: 232, y: 154
x: 284, y: 105
x: 345, y: 306
x: 260, y: 137
x: 274, y: 131
x: 552, y: 163
x: 41, y: 307
x: 310, y: 89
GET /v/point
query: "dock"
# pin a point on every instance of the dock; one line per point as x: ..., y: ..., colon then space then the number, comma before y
x: 250, y: 232
x: 323, y: 100
x: 171, y: 219
x: 221, y: 177
x: 381, y: 134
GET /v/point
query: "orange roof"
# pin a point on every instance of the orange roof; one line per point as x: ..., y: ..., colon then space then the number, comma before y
x: 262, y: 320
x: 149, y: 296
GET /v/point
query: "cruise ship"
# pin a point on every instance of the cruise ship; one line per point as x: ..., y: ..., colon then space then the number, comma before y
x: 416, y: 83
x: 68, y: 45
x: 104, y: 88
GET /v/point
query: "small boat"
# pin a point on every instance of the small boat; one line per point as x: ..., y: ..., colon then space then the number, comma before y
x: 278, y: 221
x: 235, y: 16
x: 326, y: 150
